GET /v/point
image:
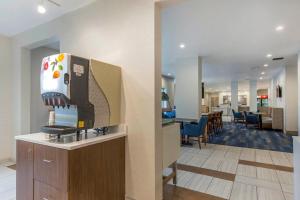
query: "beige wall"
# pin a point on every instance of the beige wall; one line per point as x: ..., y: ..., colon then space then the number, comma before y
x: 291, y: 98
x: 120, y: 32
x: 5, y: 96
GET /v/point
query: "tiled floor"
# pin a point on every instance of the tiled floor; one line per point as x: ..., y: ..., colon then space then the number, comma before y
x: 7, y: 183
x: 250, y: 183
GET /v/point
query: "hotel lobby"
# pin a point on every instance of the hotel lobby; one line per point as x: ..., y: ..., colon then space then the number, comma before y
x: 149, y: 100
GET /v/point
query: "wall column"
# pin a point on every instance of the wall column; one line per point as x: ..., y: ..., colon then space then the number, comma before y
x: 298, y: 72
x: 253, y: 95
x: 234, y: 95
x: 188, y: 88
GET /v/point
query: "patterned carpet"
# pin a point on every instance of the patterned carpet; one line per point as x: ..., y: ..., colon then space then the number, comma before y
x: 239, y: 135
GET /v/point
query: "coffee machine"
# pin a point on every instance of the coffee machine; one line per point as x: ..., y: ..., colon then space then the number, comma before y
x: 84, y: 93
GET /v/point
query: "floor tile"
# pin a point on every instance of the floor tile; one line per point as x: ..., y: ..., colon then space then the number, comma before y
x: 258, y: 182
x: 242, y: 191
x: 229, y: 166
x: 218, y: 154
x: 199, y: 183
x: 248, y: 154
x: 288, y: 196
x: 183, y: 178
x: 197, y: 160
x: 4, y: 171
x: 287, y: 188
x: 8, y: 194
x: 235, y: 149
x: 246, y: 170
x: 222, y: 147
x: 266, y: 174
x: 263, y: 156
x: 268, y: 194
x: 277, y: 154
x: 185, y: 157
x: 7, y: 183
x: 285, y: 177
x: 212, y: 163
x: 232, y: 155
x: 220, y: 188
x: 289, y: 156
x: 281, y: 161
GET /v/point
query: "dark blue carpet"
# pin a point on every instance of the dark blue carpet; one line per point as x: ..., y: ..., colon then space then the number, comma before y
x: 240, y: 136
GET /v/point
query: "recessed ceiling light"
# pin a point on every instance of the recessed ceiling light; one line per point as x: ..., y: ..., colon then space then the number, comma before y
x: 269, y: 55
x: 182, y: 46
x: 260, y: 78
x: 262, y: 73
x: 41, y: 9
x: 279, y: 28
x: 266, y: 65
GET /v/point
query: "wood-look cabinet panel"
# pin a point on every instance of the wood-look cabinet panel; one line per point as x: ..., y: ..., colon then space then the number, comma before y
x: 24, y: 171
x: 51, y: 166
x: 98, y: 171
x: 46, y: 192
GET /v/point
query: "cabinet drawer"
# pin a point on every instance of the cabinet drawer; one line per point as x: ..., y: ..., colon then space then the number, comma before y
x: 51, y: 166
x: 46, y: 192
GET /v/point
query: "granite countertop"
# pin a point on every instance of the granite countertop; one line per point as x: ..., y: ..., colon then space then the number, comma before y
x: 69, y: 142
x: 166, y: 122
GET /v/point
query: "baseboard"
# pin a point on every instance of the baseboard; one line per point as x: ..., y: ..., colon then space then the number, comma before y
x: 292, y: 133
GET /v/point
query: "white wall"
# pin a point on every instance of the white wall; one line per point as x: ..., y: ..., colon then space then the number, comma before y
x: 253, y: 95
x: 188, y: 97
x: 5, y: 99
x: 298, y: 77
x: 281, y: 80
x: 288, y: 80
x: 169, y: 84
x: 120, y: 32
x: 39, y: 113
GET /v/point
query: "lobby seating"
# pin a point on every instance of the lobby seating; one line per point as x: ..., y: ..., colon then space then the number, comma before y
x: 238, y: 116
x: 193, y: 130
x: 251, y: 118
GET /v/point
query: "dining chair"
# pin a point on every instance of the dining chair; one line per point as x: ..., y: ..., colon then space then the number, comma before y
x: 193, y: 130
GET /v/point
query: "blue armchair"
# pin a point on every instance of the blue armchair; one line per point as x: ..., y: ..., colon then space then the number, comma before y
x: 238, y: 116
x: 252, y: 118
x: 195, y: 130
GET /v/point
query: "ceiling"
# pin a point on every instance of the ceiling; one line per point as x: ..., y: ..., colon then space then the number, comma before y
x: 232, y: 36
x: 17, y: 16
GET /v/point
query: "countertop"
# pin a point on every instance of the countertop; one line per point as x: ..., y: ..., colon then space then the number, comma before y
x: 70, y: 142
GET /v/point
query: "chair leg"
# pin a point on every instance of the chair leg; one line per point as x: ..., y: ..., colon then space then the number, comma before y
x: 199, y: 141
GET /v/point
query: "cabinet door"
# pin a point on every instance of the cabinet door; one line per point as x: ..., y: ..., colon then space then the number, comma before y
x: 46, y: 192
x: 24, y: 170
x: 51, y: 166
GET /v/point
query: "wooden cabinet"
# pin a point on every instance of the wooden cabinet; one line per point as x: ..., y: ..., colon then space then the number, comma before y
x: 51, y: 166
x: 93, y: 172
x: 46, y: 192
x: 24, y: 170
